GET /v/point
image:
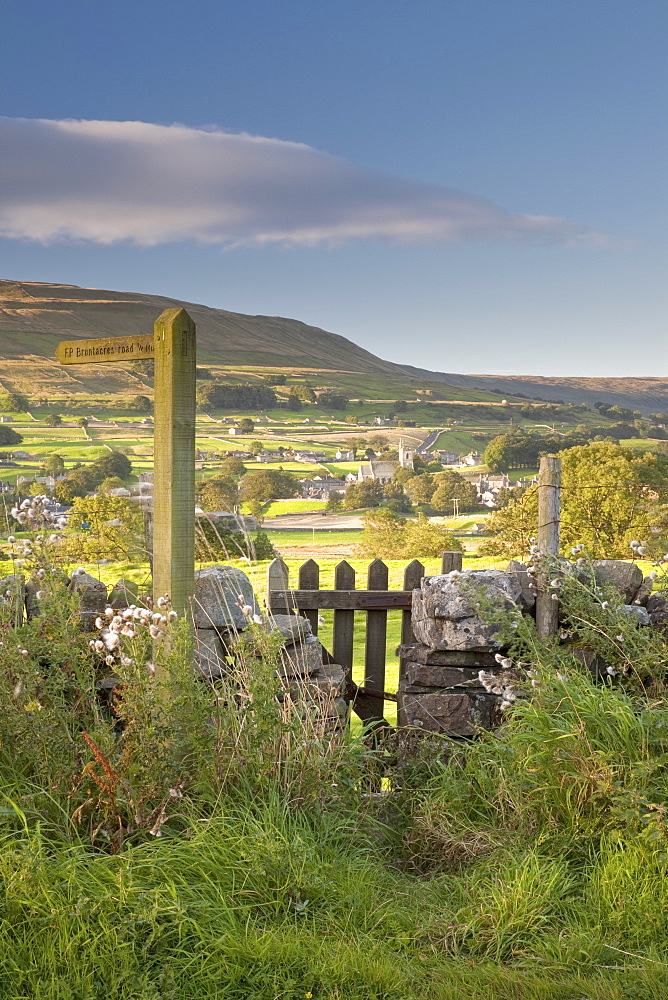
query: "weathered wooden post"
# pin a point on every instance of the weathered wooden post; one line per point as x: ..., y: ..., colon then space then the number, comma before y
x: 549, y: 490
x: 173, y: 347
x: 174, y: 459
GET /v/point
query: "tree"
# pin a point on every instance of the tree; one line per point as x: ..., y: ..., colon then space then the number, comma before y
x: 82, y: 421
x: 112, y: 483
x: 218, y: 493
x: 141, y: 403
x: 78, y: 482
x: 232, y: 467
x: 420, y: 488
x: 332, y: 401
x: 303, y: 392
x: 112, y: 464
x: 424, y: 540
x: 609, y: 497
x: 268, y: 484
x: 53, y: 420
x: 104, y: 527
x: 54, y: 464
x: 293, y: 402
x: 334, y: 502
x: 366, y: 494
x: 400, y: 406
x: 255, y: 447
x: 9, y: 436
x: 221, y: 396
x: 450, y: 485
x: 246, y: 425
x: 388, y: 536
x: 402, y: 475
x: 14, y: 402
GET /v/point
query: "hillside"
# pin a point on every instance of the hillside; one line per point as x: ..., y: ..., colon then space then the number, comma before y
x: 35, y: 316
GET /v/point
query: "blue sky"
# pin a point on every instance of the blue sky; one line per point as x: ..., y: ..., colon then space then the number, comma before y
x: 464, y: 185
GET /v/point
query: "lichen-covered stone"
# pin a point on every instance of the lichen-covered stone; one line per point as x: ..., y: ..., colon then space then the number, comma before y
x: 446, y: 658
x: 123, y: 594
x: 221, y: 592
x: 210, y: 654
x: 427, y: 675
x: 302, y: 658
x: 93, y: 596
x: 455, y: 598
x: 527, y: 593
x: 292, y: 627
x: 637, y: 613
x: 625, y: 577
x: 444, y: 633
x: 450, y: 713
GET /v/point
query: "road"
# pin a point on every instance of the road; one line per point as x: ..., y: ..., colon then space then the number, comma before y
x: 429, y: 441
x: 320, y: 522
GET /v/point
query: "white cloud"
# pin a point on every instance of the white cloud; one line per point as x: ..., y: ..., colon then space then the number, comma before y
x: 110, y: 181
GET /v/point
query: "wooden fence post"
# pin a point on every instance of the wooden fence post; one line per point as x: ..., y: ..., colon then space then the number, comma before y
x: 376, y: 641
x: 278, y: 578
x: 412, y: 576
x: 344, y: 622
x: 309, y: 579
x: 450, y: 561
x: 549, y: 489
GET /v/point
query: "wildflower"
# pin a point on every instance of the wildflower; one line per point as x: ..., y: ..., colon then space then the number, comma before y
x: 534, y: 550
x: 555, y: 583
x: 641, y: 550
x: 653, y: 575
x: 79, y: 571
x: 506, y: 663
x: 611, y: 671
x: 40, y: 574
x: 109, y: 660
x: 498, y: 657
x: 109, y: 612
x: 533, y: 541
x: 619, y: 638
x: 257, y: 619
x: 555, y: 597
x: 634, y: 545
x: 156, y: 618
x: 162, y: 603
x: 126, y: 661
x: 151, y: 668
x: 99, y: 645
x: 172, y: 616
x: 40, y: 595
x: 11, y: 539
x: 25, y: 654
x: 605, y: 605
x: 129, y: 632
x: 111, y: 640
x: 155, y: 632
x: 99, y: 623
x: 176, y: 793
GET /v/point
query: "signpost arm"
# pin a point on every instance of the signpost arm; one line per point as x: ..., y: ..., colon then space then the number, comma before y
x: 174, y: 462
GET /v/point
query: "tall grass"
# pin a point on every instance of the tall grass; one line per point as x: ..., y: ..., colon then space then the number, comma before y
x: 190, y: 840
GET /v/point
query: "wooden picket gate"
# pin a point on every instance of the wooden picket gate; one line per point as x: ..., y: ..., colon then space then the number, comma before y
x: 344, y: 600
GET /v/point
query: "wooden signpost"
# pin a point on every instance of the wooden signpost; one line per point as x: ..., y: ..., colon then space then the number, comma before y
x: 173, y: 347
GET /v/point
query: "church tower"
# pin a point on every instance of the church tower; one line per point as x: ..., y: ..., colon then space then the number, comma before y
x: 405, y: 456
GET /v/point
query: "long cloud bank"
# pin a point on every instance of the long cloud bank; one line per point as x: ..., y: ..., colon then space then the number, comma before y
x: 104, y: 182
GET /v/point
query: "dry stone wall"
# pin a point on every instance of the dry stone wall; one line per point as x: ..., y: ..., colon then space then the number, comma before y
x: 453, y: 677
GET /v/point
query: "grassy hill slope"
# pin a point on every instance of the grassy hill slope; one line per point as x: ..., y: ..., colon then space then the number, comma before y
x: 35, y: 316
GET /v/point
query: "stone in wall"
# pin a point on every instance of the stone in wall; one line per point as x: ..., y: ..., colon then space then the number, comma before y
x: 625, y: 577
x: 455, y: 598
x: 451, y: 713
x: 220, y: 594
x: 93, y: 596
x: 210, y: 654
